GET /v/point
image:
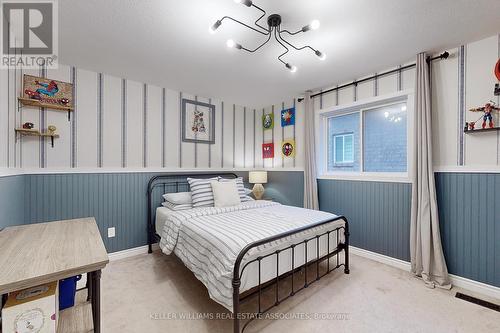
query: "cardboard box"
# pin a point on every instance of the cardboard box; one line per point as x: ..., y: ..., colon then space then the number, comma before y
x: 32, y: 310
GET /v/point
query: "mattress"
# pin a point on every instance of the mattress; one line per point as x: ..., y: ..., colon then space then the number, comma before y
x: 209, y: 239
x: 162, y: 216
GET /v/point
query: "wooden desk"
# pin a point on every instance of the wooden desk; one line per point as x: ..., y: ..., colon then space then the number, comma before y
x: 34, y: 254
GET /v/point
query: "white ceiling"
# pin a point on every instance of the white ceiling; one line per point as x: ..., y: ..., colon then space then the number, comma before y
x: 166, y: 42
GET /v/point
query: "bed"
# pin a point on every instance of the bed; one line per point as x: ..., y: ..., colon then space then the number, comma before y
x: 237, y: 252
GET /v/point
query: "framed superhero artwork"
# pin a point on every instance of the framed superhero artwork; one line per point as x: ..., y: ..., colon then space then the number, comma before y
x: 287, y: 117
x: 268, y: 121
x: 268, y: 150
x: 47, y: 91
x: 198, y: 122
x: 288, y: 148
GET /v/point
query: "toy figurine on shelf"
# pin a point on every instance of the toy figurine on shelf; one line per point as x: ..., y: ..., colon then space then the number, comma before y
x: 51, y: 130
x: 469, y: 126
x: 488, y: 108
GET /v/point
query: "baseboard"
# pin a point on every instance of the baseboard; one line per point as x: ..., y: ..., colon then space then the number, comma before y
x: 113, y: 256
x: 457, y: 281
x: 390, y: 261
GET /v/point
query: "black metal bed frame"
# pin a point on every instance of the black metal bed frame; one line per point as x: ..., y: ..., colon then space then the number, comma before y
x: 238, y: 299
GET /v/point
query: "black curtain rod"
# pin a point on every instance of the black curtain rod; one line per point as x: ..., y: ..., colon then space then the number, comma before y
x: 443, y: 55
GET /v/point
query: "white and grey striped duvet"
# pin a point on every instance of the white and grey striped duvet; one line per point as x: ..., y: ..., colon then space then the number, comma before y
x: 209, y: 239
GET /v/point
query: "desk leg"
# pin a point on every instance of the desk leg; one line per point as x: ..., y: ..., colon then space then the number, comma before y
x: 89, y: 287
x: 96, y: 300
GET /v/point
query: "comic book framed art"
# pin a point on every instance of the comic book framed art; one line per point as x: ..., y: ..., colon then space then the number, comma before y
x: 198, y: 122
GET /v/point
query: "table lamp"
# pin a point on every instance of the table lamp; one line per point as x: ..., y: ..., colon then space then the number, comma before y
x: 257, y: 178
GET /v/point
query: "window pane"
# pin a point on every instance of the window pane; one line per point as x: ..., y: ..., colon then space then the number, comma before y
x: 339, y: 149
x: 348, y: 151
x: 344, y: 129
x: 385, y: 139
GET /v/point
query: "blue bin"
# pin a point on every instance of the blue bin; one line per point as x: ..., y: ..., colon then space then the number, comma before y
x: 67, y: 291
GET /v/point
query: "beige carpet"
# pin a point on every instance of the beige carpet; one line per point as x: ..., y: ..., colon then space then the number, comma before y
x: 150, y: 293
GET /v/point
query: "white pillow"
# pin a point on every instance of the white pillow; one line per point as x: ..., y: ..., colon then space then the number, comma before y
x: 241, y: 188
x: 172, y: 206
x: 180, y: 198
x: 225, y: 194
x: 201, y: 192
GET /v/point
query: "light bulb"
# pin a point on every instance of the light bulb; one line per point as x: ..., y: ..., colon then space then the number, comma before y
x: 386, y: 114
x: 215, y: 26
x: 291, y: 68
x: 247, y: 3
x: 403, y: 108
x: 314, y: 24
x: 232, y: 44
x: 320, y: 55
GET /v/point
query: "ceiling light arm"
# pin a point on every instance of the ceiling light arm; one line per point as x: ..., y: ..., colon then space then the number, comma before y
x: 245, y: 25
x: 296, y: 48
x: 258, y: 47
x: 260, y: 17
x: 286, y: 48
x: 291, y: 33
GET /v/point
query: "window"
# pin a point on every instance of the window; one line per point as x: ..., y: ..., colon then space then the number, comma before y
x: 371, y: 138
x: 343, y: 152
x: 385, y: 139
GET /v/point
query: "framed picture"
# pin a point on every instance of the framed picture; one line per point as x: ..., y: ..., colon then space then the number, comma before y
x: 287, y: 117
x: 268, y: 150
x: 198, y: 122
x: 47, y: 91
x: 268, y: 121
x: 288, y: 148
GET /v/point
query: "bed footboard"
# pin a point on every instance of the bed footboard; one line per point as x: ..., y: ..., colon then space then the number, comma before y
x: 331, y: 251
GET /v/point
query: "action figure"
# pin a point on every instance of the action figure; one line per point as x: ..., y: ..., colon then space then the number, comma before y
x: 487, y: 109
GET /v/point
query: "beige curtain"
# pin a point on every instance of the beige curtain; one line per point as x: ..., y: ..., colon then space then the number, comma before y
x: 427, y: 259
x: 310, y: 181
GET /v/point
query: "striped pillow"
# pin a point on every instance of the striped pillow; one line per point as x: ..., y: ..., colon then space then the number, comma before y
x: 201, y: 192
x: 173, y: 206
x: 241, y: 188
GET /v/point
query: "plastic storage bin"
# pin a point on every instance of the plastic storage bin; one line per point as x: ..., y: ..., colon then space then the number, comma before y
x: 67, y: 291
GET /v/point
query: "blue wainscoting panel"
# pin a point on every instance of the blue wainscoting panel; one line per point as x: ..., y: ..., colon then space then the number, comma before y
x: 469, y: 213
x: 378, y: 213
x: 12, y: 203
x: 114, y: 199
x: 285, y: 187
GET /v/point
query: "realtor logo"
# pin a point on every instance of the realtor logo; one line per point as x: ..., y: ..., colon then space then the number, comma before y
x: 29, y: 34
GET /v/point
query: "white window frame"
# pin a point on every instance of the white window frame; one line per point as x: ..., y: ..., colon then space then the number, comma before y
x: 344, y: 161
x: 322, y: 116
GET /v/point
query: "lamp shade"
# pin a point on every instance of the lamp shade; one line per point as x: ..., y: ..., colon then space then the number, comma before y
x: 257, y: 177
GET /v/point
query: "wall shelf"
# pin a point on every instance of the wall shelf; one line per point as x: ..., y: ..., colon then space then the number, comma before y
x: 33, y: 102
x: 34, y: 132
x: 493, y: 129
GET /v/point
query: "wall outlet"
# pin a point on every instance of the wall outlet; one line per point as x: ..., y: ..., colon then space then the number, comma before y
x: 111, y: 232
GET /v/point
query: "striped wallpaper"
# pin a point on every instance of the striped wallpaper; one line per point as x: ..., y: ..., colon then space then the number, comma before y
x: 120, y: 123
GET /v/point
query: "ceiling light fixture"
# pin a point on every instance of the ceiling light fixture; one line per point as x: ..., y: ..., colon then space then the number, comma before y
x: 273, y: 29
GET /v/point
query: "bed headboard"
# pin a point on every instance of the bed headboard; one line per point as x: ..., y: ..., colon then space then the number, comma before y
x: 170, y: 183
